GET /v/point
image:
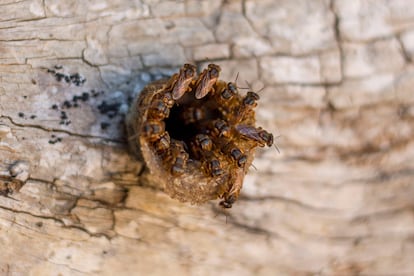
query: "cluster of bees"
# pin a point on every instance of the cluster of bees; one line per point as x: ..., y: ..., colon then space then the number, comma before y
x: 205, y: 120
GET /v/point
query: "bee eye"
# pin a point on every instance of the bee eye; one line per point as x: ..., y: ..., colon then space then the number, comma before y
x: 214, y: 73
x: 226, y: 94
x: 189, y: 73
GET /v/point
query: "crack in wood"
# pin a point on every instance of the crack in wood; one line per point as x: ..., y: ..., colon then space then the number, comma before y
x: 40, y: 127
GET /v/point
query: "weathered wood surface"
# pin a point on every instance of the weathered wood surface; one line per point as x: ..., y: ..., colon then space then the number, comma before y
x: 338, y: 80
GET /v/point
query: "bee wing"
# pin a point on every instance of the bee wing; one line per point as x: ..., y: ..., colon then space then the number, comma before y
x: 204, y: 84
x: 178, y: 91
x: 202, y: 89
x: 183, y: 82
x: 249, y: 132
x: 233, y: 193
x: 181, y: 86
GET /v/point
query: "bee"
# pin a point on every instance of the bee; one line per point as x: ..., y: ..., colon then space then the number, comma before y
x: 228, y: 91
x: 206, y: 80
x: 249, y: 102
x: 221, y: 128
x: 180, y: 82
x: 202, y: 146
x: 163, y: 143
x: 230, y: 149
x: 214, y: 167
x: 238, y: 156
x: 166, y: 98
x: 158, y: 110
x: 193, y: 114
x: 228, y: 201
x: 231, y: 196
x: 225, y: 98
x: 260, y: 136
x: 153, y: 129
x: 204, y: 142
x: 179, y: 158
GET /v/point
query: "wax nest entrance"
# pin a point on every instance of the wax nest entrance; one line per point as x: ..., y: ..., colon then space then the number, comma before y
x: 197, y: 134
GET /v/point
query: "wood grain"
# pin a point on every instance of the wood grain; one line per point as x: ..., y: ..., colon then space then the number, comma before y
x: 337, y: 200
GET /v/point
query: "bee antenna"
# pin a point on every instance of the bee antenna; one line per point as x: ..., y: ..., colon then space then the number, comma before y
x: 249, y: 85
x: 261, y: 89
x: 222, y: 211
x: 243, y: 87
x: 237, y: 76
x: 277, y: 148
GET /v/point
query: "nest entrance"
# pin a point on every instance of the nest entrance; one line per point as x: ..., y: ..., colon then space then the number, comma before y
x: 189, y: 117
x: 197, y: 134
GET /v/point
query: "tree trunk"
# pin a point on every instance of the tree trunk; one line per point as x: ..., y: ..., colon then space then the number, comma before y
x: 337, y: 78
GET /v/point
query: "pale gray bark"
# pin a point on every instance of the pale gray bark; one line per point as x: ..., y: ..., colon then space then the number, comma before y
x: 338, y: 80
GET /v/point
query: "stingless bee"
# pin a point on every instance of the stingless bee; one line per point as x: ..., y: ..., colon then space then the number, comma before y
x: 206, y: 80
x: 204, y: 142
x: 220, y: 128
x: 214, y: 167
x: 181, y: 81
x: 237, y: 155
x: 193, y: 114
x: 202, y: 146
x: 158, y: 110
x: 153, y: 129
x: 249, y: 102
x: 163, y: 143
x: 231, y: 196
x: 257, y: 134
x: 232, y: 151
x: 228, y: 91
x: 179, y: 158
x: 166, y: 98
